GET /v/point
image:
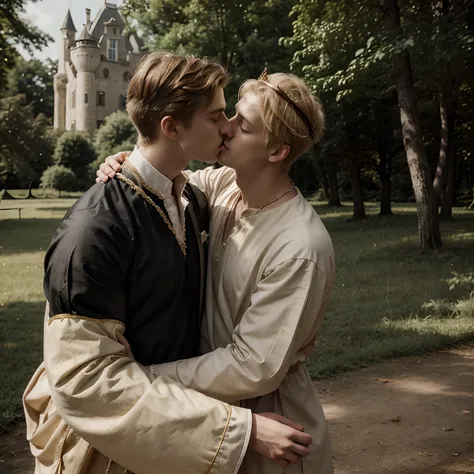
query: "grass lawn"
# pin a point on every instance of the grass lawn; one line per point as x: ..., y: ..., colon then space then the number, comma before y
x: 382, y: 281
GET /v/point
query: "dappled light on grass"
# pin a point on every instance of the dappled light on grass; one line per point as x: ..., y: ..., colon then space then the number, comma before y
x: 382, y: 281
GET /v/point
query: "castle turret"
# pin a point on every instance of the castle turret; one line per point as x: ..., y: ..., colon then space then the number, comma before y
x: 85, y: 57
x: 68, y: 32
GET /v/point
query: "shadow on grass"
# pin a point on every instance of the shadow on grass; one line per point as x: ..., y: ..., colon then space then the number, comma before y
x: 26, y: 235
x: 21, y: 340
x: 341, y: 348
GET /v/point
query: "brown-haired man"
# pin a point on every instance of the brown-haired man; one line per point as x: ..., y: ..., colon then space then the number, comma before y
x: 127, y: 259
x: 271, y: 268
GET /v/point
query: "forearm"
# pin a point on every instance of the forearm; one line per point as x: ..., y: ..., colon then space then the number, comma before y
x: 142, y: 424
x: 227, y: 374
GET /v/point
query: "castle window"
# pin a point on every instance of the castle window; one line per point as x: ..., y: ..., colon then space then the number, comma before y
x: 122, y: 102
x: 85, y: 98
x: 106, y: 72
x: 112, y: 50
x: 73, y: 99
x: 101, y: 99
x: 99, y: 123
x: 115, y: 31
x: 73, y: 125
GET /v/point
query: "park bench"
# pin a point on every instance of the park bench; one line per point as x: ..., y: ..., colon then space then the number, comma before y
x: 19, y: 209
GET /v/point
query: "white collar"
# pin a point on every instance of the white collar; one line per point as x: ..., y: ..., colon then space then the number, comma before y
x: 153, y: 178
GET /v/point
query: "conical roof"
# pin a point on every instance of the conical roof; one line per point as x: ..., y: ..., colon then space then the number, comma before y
x: 68, y: 24
x: 86, y: 36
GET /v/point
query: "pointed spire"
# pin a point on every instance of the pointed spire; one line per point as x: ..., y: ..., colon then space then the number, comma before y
x: 85, y: 36
x: 68, y: 24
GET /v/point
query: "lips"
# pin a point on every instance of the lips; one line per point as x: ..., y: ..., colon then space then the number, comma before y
x: 222, y: 147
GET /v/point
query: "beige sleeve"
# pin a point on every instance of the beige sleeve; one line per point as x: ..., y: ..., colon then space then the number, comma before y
x: 284, y: 315
x: 212, y: 181
x: 148, y: 426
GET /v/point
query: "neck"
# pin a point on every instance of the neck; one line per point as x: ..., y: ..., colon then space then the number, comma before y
x: 164, y: 159
x: 258, y: 189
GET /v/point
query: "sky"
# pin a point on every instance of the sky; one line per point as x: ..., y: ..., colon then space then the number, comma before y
x: 48, y: 15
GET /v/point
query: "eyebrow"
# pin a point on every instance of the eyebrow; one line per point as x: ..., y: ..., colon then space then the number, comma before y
x: 215, y: 111
x: 242, y: 117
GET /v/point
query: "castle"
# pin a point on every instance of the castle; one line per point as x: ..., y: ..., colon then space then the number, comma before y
x: 93, y: 70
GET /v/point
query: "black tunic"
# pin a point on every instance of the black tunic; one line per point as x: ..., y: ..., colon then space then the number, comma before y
x: 114, y: 257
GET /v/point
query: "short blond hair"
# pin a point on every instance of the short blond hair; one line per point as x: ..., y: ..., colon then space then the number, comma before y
x: 282, y: 123
x: 170, y: 84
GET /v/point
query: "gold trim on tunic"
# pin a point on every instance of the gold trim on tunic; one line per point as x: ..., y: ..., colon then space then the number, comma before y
x: 222, y: 440
x: 84, y: 318
x: 150, y: 201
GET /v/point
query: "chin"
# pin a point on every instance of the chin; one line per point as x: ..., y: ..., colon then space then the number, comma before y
x: 210, y: 161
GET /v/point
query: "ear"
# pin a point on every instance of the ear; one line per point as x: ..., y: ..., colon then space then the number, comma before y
x: 169, y: 126
x: 280, y: 153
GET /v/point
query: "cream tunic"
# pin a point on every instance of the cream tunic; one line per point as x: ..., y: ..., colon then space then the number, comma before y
x: 267, y: 289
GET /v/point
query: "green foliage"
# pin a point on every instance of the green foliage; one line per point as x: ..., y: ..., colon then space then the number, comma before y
x: 59, y: 177
x: 242, y: 36
x: 34, y: 80
x: 16, y: 31
x: 75, y: 151
x: 25, y: 142
x: 117, y: 131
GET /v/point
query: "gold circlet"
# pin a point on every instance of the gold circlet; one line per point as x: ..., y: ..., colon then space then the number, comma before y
x: 264, y: 77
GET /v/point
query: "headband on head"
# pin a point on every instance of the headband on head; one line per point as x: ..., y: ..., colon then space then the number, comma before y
x: 264, y: 77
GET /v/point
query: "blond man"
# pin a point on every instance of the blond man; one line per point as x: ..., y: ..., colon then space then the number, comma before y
x: 126, y: 260
x: 270, y: 269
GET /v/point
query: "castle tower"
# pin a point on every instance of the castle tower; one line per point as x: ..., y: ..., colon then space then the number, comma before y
x: 86, y: 57
x: 68, y: 32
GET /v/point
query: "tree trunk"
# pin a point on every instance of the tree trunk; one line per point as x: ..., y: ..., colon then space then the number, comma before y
x: 30, y: 189
x: 446, y: 113
x: 384, y: 170
x: 359, y: 210
x: 447, y: 199
x: 385, y: 197
x: 428, y: 224
x: 334, y: 199
x: 325, y: 181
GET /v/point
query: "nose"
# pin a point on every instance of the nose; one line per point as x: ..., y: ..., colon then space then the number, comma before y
x: 226, y: 128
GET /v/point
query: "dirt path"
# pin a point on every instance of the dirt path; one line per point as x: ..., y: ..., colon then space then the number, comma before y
x: 411, y: 416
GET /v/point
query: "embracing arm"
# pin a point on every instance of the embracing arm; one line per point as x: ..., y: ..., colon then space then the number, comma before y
x: 285, y: 312
x: 106, y: 398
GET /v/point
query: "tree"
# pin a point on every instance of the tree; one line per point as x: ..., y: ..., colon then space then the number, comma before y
x: 34, y: 80
x: 242, y: 36
x: 16, y: 31
x: 26, y: 143
x: 428, y: 223
x: 117, y: 131
x: 75, y: 151
x: 348, y: 49
x: 60, y: 178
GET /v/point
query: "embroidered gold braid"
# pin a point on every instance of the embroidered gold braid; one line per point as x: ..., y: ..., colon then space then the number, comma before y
x: 149, y: 200
x: 84, y: 318
x: 229, y: 416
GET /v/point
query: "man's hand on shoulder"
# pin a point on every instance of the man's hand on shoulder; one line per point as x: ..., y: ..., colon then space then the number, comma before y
x: 111, y: 165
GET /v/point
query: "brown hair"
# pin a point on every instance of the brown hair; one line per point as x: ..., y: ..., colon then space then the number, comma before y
x: 282, y: 123
x: 170, y: 84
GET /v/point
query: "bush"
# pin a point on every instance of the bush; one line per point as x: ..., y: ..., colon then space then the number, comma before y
x: 75, y: 151
x: 116, y: 133
x: 60, y: 178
